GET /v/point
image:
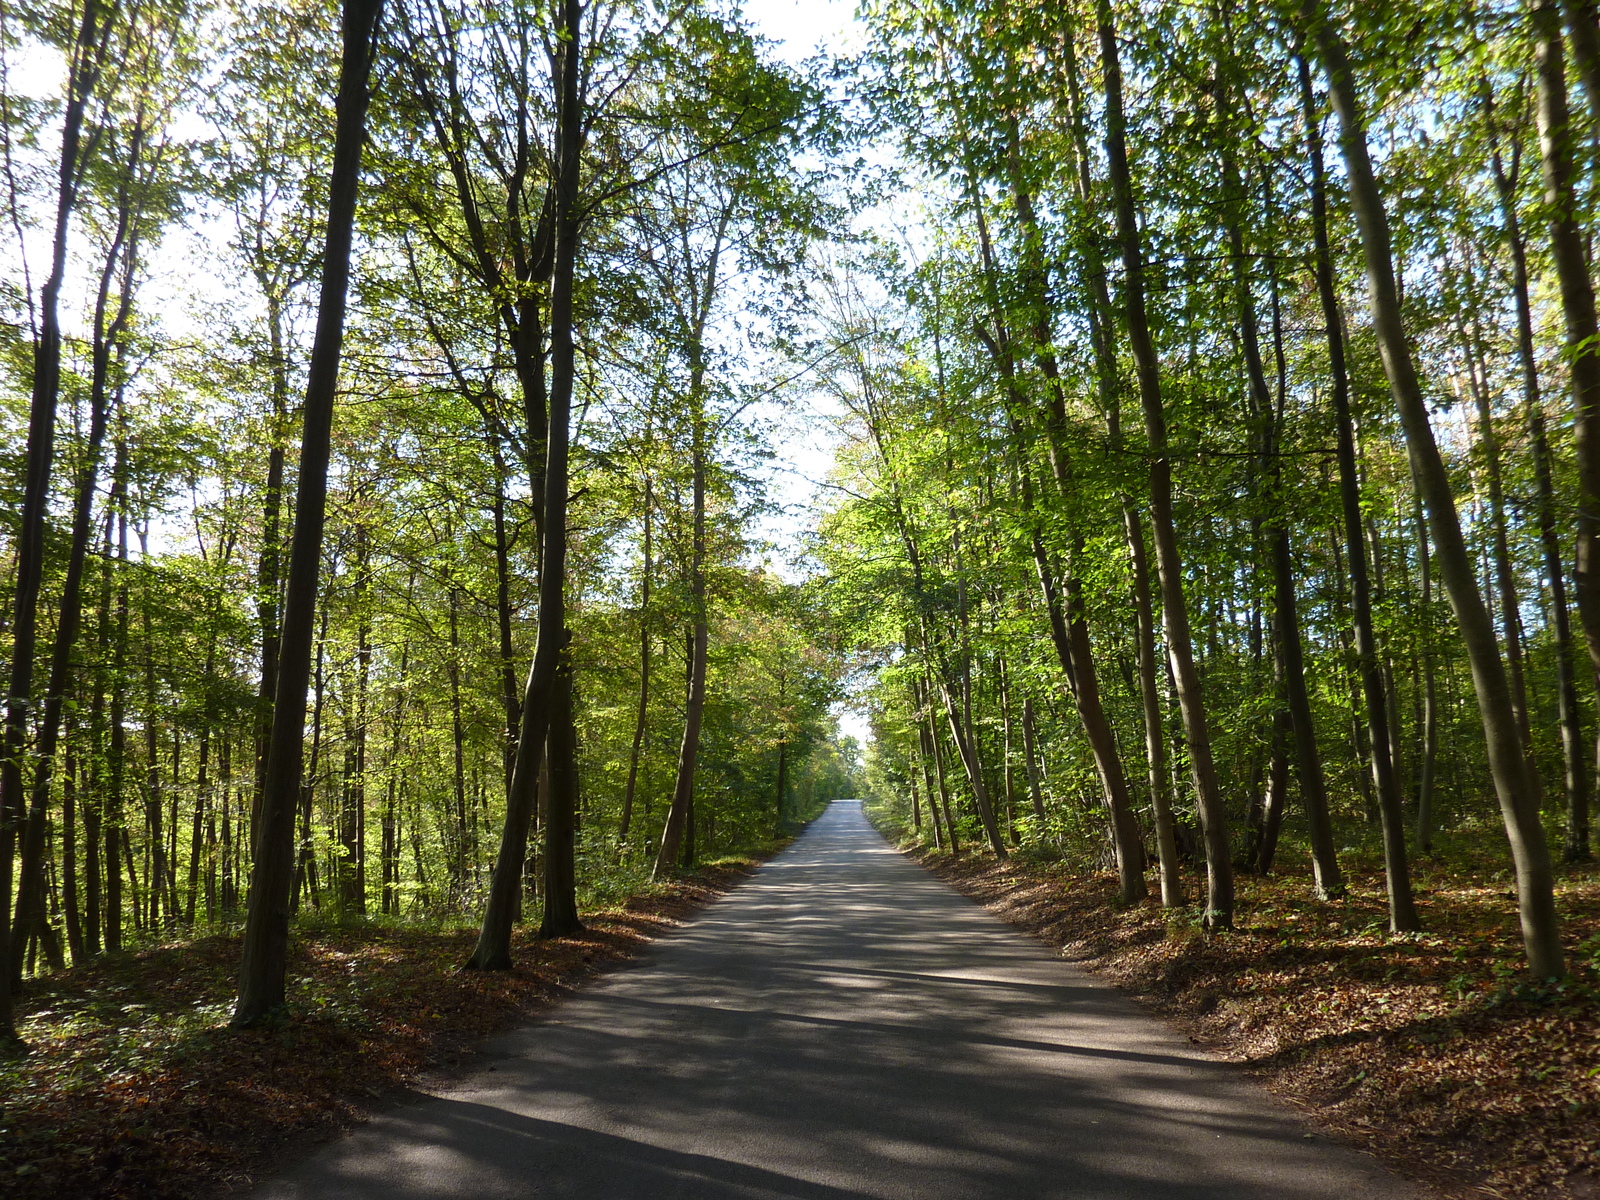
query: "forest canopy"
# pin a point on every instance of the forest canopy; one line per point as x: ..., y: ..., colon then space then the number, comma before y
x: 389, y: 392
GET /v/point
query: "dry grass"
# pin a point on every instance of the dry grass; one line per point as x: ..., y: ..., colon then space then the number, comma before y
x: 136, y: 1087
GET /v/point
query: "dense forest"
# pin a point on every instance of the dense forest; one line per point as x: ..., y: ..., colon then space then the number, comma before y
x: 1223, y: 472
x: 388, y: 395
x: 323, y: 352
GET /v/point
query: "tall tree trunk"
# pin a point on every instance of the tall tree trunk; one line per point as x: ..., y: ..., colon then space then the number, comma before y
x: 116, y: 845
x: 1518, y: 802
x: 120, y: 265
x: 266, y: 939
x: 85, y: 63
x: 679, y: 820
x: 269, y: 577
x: 1380, y: 750
x: 1078, y: 662
x: 925, y: 756
x: 1573, y: 751
x: 1430, y: 695
x: 561, y: 810
x: 1169, y: 563
x: 641, y: 719
x: 1505, y: 577
x: 932, y: 731
x: 1287, y: 646
x: 678, y: 815
x: 458, y: 751
x: 493, y: 950
x: 1030, y: 751
x: 509, y: 701
x: 1568, y: 252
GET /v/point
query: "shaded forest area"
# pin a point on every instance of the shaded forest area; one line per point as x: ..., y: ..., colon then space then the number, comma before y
x: 385, y: 492
x: 1221, y: 508
x: 389, y: 396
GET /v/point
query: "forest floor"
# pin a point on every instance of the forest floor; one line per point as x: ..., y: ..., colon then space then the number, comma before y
x: 135, y: 1087
x: 1426, y: 1048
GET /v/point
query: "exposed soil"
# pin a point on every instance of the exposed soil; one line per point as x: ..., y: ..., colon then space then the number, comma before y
x: 1424, y: 1048
x: 136, y: 1087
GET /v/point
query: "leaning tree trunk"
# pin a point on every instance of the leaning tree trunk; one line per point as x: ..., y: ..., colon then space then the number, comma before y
x: 1287, y: 647
x: 1570, y: 712
x: 493, y: 950
x: 88, y: 56
x: 123, y: 258
x: 1568, y: 252
x: 1109, y: 384
x: 1541, y: 932
x: 1078, y: 662
x: 266, y: 939
x: 1380, y: 751
x: 1169, y: 562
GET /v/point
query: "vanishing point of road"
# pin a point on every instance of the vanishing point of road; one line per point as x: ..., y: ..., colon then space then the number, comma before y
x: 842, y: 1025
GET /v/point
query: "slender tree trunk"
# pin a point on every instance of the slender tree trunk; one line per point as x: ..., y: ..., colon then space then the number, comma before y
x: 266, y: 940
x: 1573, y: 750
x: 84, y: 67
x: 116, y: 834
x: 782, y: 788
x: 269, y: 568
x: 640, y: 721
x: 1169, y: 564
x: 108, y: 327
x: 1569, y: 255
x: 1287, y: 645
x: 458, y: 750
x: 925, y: 757
x: 1379, y: 748
x: 1430, y: 697
x: 1505, y: 578
x: 1030, y: 751
x: 509, y: 700
x: 679, y: 820
x: 493, y: 951
x: 938, y: 766
x: 1518, y: 801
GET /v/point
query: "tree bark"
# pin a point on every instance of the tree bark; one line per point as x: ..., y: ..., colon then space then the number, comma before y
x: 560, y: 826
x: 1518, y: 802
x: 1569, y: 255
x: 493, y: 951
x: 266, y: 940
x: 1380, y: 750
x: 641, y: 719
x: 1169, y: 563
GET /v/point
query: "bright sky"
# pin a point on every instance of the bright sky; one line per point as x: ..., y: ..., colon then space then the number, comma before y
x: 804, y: 443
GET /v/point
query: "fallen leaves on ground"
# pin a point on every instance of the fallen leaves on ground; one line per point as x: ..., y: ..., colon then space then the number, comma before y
x: 136, y: 1088
x: 1425, y: 1048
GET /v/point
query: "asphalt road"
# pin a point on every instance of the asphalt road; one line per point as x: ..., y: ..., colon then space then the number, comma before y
x: 842, y: 1025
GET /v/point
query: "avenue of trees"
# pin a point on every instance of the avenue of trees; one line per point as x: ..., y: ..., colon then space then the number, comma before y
x: 409, y: 568
x: 384, y: 393
x: 1223, y: 438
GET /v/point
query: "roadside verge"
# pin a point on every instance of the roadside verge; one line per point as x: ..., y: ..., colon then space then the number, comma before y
x: 136, y: 1088
x: 1422, y: 1049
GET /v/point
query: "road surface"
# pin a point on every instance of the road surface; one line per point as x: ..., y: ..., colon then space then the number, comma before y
x: 842, y: 1025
